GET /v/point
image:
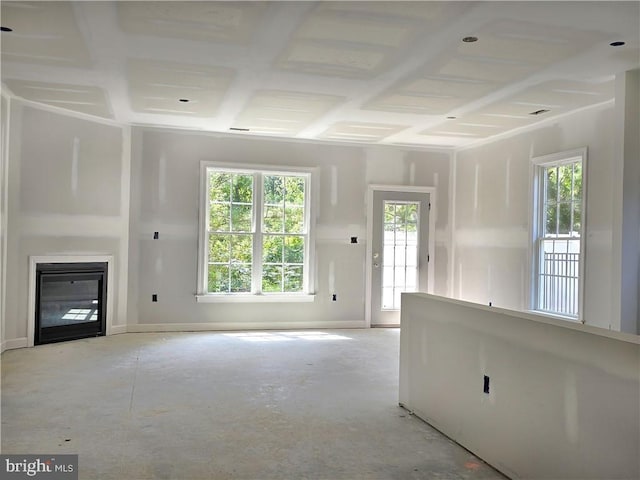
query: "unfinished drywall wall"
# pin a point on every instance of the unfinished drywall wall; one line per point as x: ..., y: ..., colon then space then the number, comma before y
x: 625, y: 285
x: 165, y: 197
x: 67, y: 194
x: 4, y: 160
x: 492, y: 213
x: 562, y: 399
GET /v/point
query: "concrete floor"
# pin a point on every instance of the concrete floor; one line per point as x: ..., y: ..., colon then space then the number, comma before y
x: 276, y: 405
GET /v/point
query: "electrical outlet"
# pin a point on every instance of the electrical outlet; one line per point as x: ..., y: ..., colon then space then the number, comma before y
x: 354, y: 239
x: 156, y: 235
x: 334, y: 298
x: 154, y: 297
x: 485, y: 388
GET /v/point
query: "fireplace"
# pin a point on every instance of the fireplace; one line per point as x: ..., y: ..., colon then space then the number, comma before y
x: 70, y: 301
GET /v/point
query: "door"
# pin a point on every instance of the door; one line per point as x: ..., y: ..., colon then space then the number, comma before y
x: 399, y: 251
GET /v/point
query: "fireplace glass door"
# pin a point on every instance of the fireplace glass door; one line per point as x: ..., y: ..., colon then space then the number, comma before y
x: 70, y: 301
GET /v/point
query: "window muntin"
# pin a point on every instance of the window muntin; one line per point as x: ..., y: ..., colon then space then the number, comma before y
x: 257, y: 232
x: 558, y: 241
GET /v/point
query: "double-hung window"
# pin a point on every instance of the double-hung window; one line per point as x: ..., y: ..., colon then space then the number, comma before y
x: 558, y: 238
x: 255, y: 233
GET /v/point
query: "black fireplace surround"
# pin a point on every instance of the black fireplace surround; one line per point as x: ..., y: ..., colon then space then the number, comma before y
x: 70, y: 301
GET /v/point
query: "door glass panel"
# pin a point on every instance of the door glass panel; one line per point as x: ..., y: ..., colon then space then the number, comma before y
x: 400, y: 251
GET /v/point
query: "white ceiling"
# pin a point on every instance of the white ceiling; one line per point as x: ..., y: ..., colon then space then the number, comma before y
x: 372, y: 72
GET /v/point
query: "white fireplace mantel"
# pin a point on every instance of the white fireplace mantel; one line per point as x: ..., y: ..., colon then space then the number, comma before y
x: 75, y: 258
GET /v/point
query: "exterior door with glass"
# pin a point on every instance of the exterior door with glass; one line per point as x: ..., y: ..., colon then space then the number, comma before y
x: 400, y: 251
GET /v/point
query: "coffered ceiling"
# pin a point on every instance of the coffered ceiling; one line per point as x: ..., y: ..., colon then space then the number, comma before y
x: 403, y: 73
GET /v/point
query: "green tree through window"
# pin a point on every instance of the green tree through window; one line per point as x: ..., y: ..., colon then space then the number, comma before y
x: 230, y: 232
x: 283, y: 239
x: 243, y: 230
x: 558, y: 237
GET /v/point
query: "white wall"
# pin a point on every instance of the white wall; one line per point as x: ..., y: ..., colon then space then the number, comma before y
x: 563, y: 397
x: 4, y: 160
x: 492, y: 205
x: 67, y: 194
x: 625, y: 286
x: 164, y: 198
x: 55, y: 206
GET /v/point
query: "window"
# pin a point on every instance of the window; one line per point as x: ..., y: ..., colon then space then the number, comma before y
x: 256, y: 235
x: 558, y: 225
x: 400, y: 254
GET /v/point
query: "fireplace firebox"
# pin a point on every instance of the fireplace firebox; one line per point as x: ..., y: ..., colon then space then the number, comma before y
x: 70, y: 301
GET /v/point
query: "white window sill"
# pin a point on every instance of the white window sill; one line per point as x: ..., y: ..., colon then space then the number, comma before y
x: 249, y: 298
x: 557, y: 316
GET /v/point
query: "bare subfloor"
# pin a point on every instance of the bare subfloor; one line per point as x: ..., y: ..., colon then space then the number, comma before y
x: 270, y: 405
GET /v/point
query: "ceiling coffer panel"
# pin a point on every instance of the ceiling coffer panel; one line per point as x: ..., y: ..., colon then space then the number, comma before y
x: 484, y: 69
x: 361, y: 132
x: 355, y: 40
x: 429, y: 12
x: 284, y: 112
x: 79, y: 98
x: 439, y: 73
x: 225, y: 22
x: 544, y: 100
x: 43, y: 33
x: 538, y: 44
x: 466, y: 129
x: 504, y: 52
x: 176, y: 88
x: 430, y: 95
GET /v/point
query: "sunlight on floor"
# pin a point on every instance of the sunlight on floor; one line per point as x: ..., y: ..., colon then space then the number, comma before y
x: 285, y: 336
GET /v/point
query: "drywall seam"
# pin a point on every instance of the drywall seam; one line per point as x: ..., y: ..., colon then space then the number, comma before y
x: 453, y: 175
x: 125, y: 200
x: 4, y: 177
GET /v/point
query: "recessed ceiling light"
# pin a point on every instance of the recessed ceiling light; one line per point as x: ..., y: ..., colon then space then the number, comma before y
x: 6, y: 29
x: 451, y: 118
x: 236, y: 129
x: 616, y: 44
x: 539, y: 112
x: 183, y: 100
x: 470, y: 39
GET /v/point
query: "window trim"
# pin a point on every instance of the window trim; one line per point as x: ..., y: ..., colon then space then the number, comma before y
x: 202, y: 296
x: 537, y: 166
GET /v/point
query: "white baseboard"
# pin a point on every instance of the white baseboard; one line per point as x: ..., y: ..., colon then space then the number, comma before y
x: 202, y: 327
x: 205, y: 327
x: 14, y: 343
x: 118, y: 329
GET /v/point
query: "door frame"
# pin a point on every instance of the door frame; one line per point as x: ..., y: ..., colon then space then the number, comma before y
x: 431, y: 243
